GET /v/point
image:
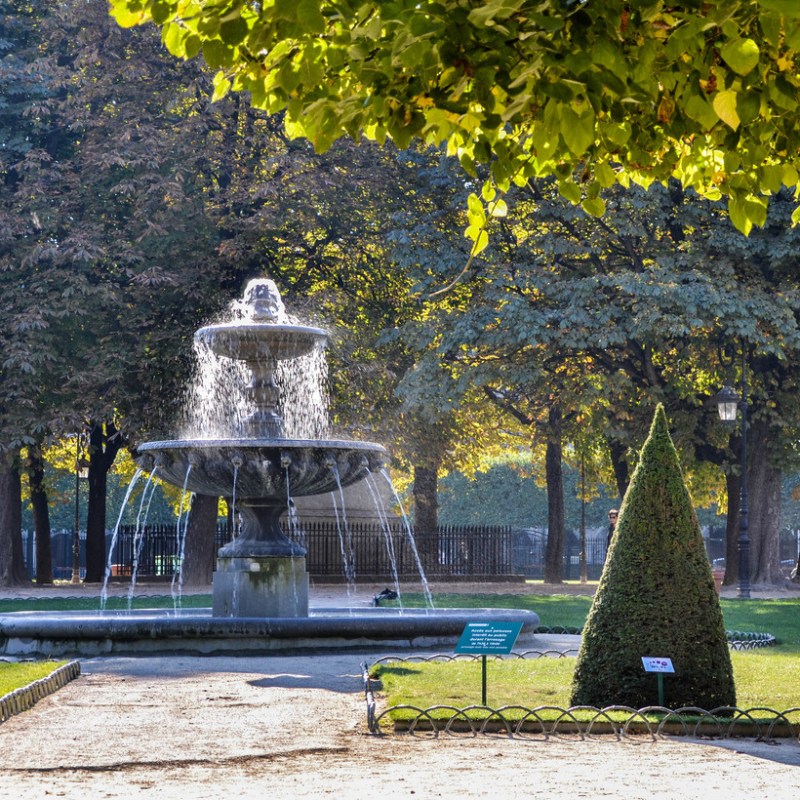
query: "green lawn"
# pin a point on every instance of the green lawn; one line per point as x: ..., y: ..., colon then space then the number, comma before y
x: 14, y: 675
x: 781, y: 618
x: 93, y: 603
x: 765, y: 677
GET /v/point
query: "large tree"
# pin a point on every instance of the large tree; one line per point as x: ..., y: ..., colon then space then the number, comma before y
x: 613, y: 91
x: 106, y: 220
x: 615, y: 315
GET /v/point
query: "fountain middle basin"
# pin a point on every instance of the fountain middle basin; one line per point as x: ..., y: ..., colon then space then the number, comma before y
x: 261, y: 572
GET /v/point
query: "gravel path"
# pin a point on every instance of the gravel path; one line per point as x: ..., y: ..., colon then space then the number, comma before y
x: 293, y: 727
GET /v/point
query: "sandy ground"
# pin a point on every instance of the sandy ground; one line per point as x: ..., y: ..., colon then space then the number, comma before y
x: 294, y: 727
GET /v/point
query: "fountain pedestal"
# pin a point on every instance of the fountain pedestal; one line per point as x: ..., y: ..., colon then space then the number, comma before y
x: 261, y: 573
x: 260, y: 586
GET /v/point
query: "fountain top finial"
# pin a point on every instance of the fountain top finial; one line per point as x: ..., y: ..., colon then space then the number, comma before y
x: 262, y: 300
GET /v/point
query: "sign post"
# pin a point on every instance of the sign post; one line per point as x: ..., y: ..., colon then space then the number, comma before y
x: 488, y: 638
x: 660, y: 666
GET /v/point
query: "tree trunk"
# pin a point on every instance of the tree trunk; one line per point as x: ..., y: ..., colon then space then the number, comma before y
x: 41, y: 516
x: 763, y: 491
x: 199, y: 552
x: 734, y: 487
x: 554, y: 555
x: 619, y: 463
x: 12, y: 563
x: 426, y: 514
x: 104, y: 444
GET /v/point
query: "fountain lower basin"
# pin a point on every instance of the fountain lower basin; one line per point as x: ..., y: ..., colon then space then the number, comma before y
x: 70, y: 634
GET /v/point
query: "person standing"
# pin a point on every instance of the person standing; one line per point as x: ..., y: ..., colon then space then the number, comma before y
x: 613, y: 514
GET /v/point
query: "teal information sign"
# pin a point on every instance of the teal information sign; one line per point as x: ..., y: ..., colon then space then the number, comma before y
x: 488, y: 638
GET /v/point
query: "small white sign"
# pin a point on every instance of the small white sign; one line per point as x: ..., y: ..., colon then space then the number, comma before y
x: 652, y: 664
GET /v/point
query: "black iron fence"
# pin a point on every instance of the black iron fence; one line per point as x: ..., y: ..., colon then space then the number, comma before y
x: 376, y: 551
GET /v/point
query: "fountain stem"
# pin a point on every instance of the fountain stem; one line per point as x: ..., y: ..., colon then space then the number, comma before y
x: 265, y: 422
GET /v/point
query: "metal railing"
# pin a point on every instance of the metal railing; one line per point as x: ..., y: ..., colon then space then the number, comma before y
x: 452, y: 552
x: 544, y: 722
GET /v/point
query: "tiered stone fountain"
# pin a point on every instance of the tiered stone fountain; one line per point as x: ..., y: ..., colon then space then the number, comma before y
x: 260, y: 586
x: 261, y: 573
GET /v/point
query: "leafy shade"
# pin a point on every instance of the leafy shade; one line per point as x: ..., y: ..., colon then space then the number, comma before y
x: 593, y: 92
x: 656, y: 598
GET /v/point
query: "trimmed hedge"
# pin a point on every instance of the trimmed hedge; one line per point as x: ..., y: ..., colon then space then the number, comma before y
x: 656, y: 598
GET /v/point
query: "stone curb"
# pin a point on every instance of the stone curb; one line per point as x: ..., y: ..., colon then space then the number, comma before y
x: 27, y: 697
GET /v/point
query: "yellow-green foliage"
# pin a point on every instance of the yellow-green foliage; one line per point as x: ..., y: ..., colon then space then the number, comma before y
x: 656, y: 597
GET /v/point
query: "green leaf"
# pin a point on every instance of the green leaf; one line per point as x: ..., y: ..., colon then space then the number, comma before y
x: 475, y: 211
x: 488, y: 192
x: 795, y: 216
x: 221, y: 86
x: 174, y: 37
x: 618, y: 133
x: 725, y: 106
x: 700, y: 110
x: 217, y: 54
x: 594, y: 206
x: 161, y: 10
x: 789, y: 8
x: 577, y: 130
x: 479, y: 238
x: 233, y: 31
x: 772, y: 178
x: 605, y: 175
x: 310, y: 16
x: 125, y: 17
x: 741, y: 55
x: 570, y: 191
x: 739, y: 214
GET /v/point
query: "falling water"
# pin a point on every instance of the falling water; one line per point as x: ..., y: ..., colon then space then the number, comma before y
x: 237, y: 462
x: 138, y: 536
x: 296, y: 532
x: 218, y: 400
x: 215, y: 378
x: 345, y: 537
x: 387, y: 533
x: 107, y: 576
x: 181, y: 530
x: 412, y: 542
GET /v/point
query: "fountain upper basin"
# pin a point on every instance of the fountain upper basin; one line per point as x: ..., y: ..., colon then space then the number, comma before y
x: 262, y: 468
x: 255, y: 341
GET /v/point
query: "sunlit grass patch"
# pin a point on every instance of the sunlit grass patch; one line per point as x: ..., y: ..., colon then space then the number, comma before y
x: 15, y: 675
x: 766, y: 678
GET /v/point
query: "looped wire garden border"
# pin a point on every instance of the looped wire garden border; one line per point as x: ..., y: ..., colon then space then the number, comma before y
x: 26, y: 697
x: 737, y: 640
x: 544, y: 722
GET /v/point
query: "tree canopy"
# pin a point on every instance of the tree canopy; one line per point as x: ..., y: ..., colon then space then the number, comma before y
x: 594, y: 93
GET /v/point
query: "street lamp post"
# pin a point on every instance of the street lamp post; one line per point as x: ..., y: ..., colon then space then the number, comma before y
x: 728, y: 402
x: 583, y: 521
x: 81, y: 471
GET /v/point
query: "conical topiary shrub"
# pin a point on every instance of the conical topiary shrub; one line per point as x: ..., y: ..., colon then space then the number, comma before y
x: 656, y: 598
